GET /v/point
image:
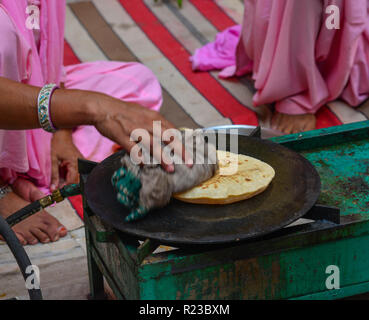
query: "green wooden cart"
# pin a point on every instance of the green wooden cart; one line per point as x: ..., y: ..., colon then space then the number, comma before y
x: 290, y: 264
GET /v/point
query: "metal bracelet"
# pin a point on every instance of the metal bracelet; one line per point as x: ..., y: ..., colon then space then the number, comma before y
x: 43, y: 107
x: 5, y: 190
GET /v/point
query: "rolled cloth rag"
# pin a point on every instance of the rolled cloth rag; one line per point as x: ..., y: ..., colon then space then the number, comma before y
x: 142, y: 188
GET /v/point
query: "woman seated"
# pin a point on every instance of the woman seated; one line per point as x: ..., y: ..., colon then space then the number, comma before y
x: 95, y: 100
x: 301, y: 53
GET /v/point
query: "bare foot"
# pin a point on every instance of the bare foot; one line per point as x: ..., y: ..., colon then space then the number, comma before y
x: 293, y: 123
x: 41, y: 227
x: 27, y: 190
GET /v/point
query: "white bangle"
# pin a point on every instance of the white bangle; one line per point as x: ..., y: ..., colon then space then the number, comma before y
x: 43, y: 107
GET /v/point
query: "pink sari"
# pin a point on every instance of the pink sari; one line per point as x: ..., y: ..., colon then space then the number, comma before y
x: 22, y: 59
x: 295, y: 60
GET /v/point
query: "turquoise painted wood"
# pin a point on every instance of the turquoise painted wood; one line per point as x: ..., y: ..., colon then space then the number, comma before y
x: 287, y: 266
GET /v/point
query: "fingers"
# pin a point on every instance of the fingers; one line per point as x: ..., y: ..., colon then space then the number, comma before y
x: 173, y: 139
x: 134, y: 150
x: 72, y: 175
x: 159, y: 131
x: 121, y: 127
x: 165, y: 154
x: 151, y: 141
x: 54, y: 173
x: 159, y: 154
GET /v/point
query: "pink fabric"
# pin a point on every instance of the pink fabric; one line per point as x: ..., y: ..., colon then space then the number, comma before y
x: 294, y: 59
x: 219, y: 54
x: 131, y: 82
x: 27, y: 153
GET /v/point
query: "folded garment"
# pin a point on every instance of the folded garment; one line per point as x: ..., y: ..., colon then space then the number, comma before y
x: 220, y: 54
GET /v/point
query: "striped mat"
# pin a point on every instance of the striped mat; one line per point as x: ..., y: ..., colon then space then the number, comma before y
x: 163, y: 36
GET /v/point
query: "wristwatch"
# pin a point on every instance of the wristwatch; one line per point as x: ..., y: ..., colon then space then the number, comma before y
x: 4, y: 190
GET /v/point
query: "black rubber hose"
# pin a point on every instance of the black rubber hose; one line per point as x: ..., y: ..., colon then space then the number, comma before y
x: 70, y: 190
x: 24, y: 213
x: 12, y: 240
x: 20, y: 255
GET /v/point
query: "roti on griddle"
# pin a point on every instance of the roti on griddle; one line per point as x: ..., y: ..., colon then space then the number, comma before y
x: 239, y: 177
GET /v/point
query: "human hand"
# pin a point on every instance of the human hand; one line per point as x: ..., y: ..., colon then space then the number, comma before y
x: 117, y: 120
x: 64, y: 160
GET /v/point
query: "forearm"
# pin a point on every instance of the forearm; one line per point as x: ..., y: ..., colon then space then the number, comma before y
x: 18, y: 106
x: 113, y: 118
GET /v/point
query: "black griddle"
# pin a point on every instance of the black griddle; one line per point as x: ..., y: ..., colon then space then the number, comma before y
x: 292, y: 193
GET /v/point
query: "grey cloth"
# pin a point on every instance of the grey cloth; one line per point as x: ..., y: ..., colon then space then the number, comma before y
x: 159, y: 185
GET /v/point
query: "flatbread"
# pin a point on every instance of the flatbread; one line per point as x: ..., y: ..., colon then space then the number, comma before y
x: 239, y: 177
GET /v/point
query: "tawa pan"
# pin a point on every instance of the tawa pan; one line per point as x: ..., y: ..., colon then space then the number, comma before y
x: 293, y: 191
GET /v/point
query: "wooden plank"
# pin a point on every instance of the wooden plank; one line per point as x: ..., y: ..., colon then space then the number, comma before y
x: 95, y: 275
x: 107, y: 275
x: 117, y: 266
x: 145, y: 249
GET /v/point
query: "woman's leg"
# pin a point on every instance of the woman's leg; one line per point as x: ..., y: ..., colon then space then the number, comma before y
x: 280, y: 36
x: 42, y: 226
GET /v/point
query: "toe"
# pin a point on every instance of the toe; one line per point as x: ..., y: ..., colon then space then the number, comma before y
x: 30, y: 238
x: 51, y: 231
x: 311, y: 124
x: 284, y: 127
x: 289, y: 129
x: 275, y: 121
x: 296, y: 129
x: 40, y: 235
x: 62, y: 231
x: 52, y: 226
x: 21, y: 238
